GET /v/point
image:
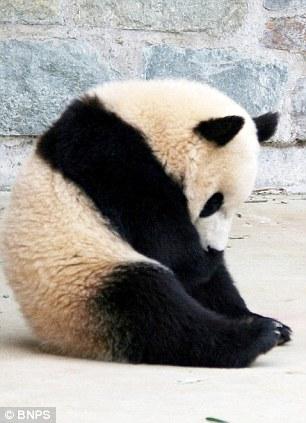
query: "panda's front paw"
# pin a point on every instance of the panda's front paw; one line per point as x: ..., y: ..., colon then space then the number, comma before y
x: 285, y: 331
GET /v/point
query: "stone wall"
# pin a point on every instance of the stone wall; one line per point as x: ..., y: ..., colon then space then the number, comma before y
x: 254, y: 50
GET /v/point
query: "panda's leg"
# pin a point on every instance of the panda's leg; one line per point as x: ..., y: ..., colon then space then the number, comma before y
x: 151, y: 319
x: 221, y: 295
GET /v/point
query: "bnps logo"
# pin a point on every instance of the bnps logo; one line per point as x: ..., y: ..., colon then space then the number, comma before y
x: 28, y: 414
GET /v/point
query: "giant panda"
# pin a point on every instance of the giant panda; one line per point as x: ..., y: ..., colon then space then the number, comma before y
x: 117, y: 225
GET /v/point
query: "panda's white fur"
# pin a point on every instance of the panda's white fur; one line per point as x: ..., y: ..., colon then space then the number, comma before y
x: 58, y: 248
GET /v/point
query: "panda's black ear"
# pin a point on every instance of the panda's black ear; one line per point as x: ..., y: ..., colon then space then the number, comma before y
x: 220, y: 130
x: 266, y: 125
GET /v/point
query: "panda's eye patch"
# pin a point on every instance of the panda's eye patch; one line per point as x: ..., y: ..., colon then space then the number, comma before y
x: 212, y: 205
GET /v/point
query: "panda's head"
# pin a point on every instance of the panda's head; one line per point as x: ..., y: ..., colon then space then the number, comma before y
x: 204, y: 140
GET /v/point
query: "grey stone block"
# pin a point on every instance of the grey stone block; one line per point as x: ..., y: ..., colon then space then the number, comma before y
x: 255, y: 84
x: 283, y: 4
x: 216, y: 18
x: 38, y: 78
x: 286, y: 33
x: 25, y: 11
x: 12, y: 154
x: 299, y: 109
x: 282, y: 168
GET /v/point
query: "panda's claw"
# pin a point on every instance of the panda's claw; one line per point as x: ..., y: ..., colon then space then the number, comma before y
x: 277, y: 324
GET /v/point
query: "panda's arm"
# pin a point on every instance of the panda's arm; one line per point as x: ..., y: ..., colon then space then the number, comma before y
x: 221, y: 295
x: 111, y: 161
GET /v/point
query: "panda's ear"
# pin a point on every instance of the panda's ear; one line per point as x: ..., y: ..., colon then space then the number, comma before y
x: 266, y: 125
x: 220, y: 130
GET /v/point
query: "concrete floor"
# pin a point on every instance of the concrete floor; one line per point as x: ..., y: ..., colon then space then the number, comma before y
x: 267, y: 255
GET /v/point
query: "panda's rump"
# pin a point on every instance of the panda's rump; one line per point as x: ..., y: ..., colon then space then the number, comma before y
x: 58, y: 251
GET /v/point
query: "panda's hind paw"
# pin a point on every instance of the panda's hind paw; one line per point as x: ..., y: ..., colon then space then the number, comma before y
x: 284, y: 330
